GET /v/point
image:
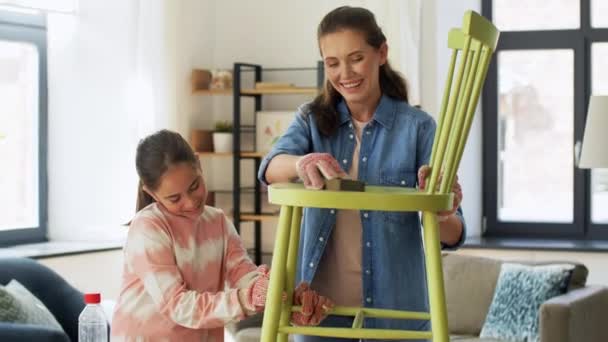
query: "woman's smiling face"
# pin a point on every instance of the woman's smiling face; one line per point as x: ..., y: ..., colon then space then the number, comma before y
x: 352, y: 66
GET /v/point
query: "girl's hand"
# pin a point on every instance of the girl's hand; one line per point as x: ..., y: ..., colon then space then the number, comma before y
x: 253, y: 298
x: 313, y: 168
x: 423, y: 172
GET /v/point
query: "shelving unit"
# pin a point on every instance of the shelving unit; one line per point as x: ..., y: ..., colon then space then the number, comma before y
x: 257, y: 216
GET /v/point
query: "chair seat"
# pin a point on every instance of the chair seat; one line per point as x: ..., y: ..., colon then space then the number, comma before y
x: 385, y: 198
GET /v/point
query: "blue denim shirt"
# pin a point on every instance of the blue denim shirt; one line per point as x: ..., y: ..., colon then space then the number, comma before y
x: 394, y: 144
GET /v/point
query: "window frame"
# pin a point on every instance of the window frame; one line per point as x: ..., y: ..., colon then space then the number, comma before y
x: 579, y: 40
x: 21, y: 26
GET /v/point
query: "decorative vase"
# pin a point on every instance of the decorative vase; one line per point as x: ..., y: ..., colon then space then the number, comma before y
x: 201, y: 140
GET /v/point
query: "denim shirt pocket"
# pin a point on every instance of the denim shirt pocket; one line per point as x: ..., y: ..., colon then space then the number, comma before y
x: 397, y: 177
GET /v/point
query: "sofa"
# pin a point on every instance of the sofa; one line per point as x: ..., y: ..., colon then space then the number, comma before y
x: 579, y: 315
x: 60, y: 298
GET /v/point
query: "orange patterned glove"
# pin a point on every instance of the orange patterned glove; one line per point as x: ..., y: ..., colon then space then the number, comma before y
x: 313, y: 167
x: 314, y: 306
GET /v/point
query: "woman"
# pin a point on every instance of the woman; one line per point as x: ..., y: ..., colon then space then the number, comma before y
x: 362, y: 127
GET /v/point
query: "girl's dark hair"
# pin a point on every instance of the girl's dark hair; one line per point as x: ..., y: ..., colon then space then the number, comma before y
x: 392, y: 83
x: 155, y: 154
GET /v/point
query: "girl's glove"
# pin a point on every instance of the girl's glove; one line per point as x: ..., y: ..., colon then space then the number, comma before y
x: 253, y: 298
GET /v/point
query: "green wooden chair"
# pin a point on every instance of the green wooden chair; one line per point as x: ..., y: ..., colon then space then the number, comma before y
x: 474, y: 42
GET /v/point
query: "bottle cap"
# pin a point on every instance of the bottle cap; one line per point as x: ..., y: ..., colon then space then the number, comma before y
x: 92, y: 298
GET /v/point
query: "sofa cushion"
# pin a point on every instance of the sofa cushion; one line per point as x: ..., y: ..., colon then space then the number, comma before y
x: 520, y: 291
x: 578, y: 275
x: 11, y: 311
x: 469, y: 288
x: 252, y: 335
x: 468, y: 338
x: 35, y: 312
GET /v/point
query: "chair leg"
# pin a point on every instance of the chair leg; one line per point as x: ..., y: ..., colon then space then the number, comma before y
x: 270, y: 326
x: 290, y: 279
x: 434, y: 270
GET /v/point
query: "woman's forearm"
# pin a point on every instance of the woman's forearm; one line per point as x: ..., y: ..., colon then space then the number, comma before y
x: 450, y: 230
x: 282, y: 168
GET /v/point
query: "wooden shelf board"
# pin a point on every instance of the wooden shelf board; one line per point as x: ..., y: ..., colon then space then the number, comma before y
x: 213, y: 154
x: 229, y: 154
x: 252, y: 154
x: 278, y: 91
x: 289, y: 90
x: 263, y: 217
x: 212, y: 91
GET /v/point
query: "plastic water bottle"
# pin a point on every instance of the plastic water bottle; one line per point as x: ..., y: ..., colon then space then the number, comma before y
x: 92, y: 322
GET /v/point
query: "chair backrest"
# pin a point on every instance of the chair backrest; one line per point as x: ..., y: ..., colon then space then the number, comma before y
x: 475, y: 42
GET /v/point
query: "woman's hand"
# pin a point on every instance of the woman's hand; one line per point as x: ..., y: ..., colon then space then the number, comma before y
x: 313, y: 168
x: 314, y: 306
x: 423, y: 172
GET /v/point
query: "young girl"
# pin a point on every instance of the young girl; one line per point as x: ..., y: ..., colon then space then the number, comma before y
x: 186, y: 273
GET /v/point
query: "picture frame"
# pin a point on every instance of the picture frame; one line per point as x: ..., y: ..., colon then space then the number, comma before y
x: 270, y: 126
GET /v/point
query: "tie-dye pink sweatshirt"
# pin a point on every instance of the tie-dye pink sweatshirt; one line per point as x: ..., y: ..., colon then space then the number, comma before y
x: 180, y: 277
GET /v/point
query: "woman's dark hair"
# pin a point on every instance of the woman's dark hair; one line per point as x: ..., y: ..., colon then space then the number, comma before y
x: 391, y: 82
x: 155, y: 154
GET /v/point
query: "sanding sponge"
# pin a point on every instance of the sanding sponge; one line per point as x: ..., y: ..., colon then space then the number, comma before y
x: 339, y: 184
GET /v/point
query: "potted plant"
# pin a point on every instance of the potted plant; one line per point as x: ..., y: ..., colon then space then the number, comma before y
x: 222, y: 136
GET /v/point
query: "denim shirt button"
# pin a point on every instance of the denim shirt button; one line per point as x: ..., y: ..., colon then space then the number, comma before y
x: 368, y: 244
x: 365, y: 215
x: 311, y: 265
x: 321, y: 239
x: 332, y: 211
x: 368, y: 299
x: 344, y: 161
x: 364, y: 159
x: 351, y: 136
x: 368, y: 132
x: 368, y: 272
x: 402, y: 182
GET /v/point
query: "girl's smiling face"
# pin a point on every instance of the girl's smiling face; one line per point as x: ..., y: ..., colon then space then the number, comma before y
x: 181, y: 190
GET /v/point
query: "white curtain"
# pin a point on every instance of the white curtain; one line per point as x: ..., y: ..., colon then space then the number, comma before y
x: 60, y: 6
x: 113, y: 78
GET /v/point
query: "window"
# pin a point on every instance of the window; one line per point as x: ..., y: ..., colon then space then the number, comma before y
x: 22, y: 127
x: 534, y: 103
